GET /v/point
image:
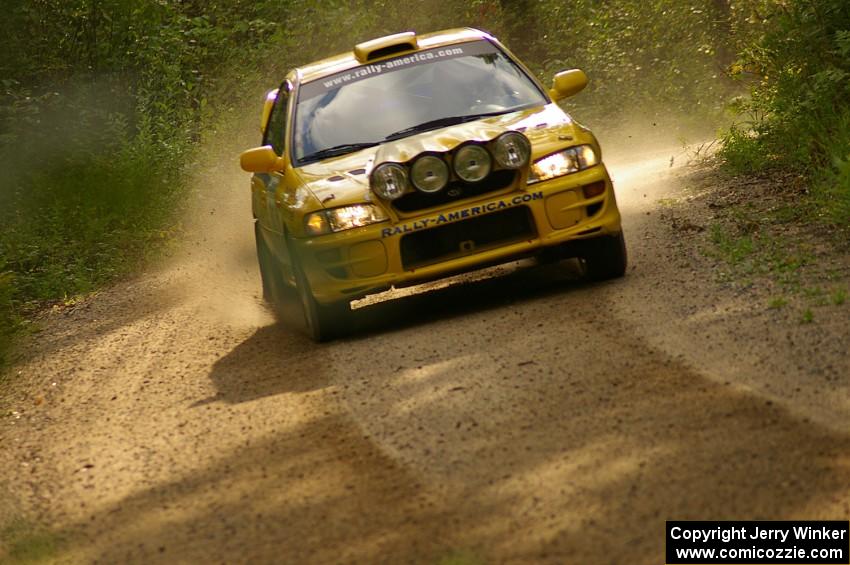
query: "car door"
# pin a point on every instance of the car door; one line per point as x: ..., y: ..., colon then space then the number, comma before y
x: 269, y: 188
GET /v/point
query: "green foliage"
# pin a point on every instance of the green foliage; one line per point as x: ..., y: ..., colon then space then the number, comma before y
x: 101, y: 103
x: 732, y: 248
x: 85, y: 221
x: 8, y: 319
x: 797, y: 116
x: 660, y: 61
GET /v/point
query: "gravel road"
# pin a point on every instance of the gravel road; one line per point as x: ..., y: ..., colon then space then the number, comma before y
x: 515, y: 415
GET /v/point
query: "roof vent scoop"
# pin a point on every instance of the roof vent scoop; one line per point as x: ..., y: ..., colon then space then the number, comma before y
x: 385, y: 46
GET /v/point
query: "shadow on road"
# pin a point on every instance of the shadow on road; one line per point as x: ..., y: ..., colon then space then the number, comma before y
x: 568, y: 443
x: 273, y: 360
x: 279, y: 358
x: 583, y: 474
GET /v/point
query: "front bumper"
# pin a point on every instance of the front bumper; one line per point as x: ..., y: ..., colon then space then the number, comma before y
x: 351, y: 264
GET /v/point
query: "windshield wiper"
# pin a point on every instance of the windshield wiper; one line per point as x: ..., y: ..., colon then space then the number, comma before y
x: 440, y: 123
x: 336, y: 150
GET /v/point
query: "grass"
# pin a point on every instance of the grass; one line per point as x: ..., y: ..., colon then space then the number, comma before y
x: 24, y: 543
x: 745, y: 242
x: 831, y: 182
x: 796, y: 119
x: 702, y: 153
x: 760, y: 254
x: 815, y: 295
x: 732, y: 248
x: 9, y: 323
x: 786, y: 214
x: 825, y: 172
x: 76, y: 224
x: 755, y: 246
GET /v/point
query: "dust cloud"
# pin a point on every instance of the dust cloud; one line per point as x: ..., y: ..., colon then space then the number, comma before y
x: 641, y: 147
x: 215, y: 264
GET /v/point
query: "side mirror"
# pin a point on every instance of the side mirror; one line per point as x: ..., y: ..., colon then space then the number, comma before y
x: 261, y: 160
x: 567, y: 83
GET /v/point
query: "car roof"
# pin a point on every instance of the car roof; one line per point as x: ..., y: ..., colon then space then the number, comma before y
x: 347, y: 60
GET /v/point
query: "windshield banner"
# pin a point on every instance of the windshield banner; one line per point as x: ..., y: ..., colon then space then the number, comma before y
x: 332, y: 82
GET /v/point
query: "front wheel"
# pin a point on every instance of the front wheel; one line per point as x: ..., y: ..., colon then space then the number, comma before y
x: 606, y: 257
x: 322, y: 322
x: 269, y: 268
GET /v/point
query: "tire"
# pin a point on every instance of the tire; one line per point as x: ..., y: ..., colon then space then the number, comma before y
x: 278, y: 294
x: 321, y: 322
x: 297, y: 307
x: 269, y: 269
x: 606, y: 258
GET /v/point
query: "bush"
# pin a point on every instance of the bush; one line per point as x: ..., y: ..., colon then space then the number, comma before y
x: 659, y: 60
x: 797, y: 116
x: 102, y: 104
x: 8, y: 320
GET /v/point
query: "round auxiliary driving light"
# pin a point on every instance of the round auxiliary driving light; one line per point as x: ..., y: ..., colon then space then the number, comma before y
x: 512, y: 150
x: 429, y: 173
x: 389, y: 180
x: 472, y: 163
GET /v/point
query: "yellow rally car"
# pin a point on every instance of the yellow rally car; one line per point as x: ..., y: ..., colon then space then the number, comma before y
x: 415, y: 157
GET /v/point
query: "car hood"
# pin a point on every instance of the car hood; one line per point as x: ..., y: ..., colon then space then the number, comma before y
x: 344, y: 180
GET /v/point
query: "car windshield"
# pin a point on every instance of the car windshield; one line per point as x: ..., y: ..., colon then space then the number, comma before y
x: 398, y: 97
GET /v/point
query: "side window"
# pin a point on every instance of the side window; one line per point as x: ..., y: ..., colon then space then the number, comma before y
x: 275, y: 134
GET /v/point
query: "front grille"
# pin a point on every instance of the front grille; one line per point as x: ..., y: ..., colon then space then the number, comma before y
x: 455, y: 190
x: 466, y: 237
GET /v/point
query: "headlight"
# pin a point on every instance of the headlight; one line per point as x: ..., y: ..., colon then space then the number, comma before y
x: 563, y: 163
x: 389, y: 180
x: 344, y: 218
x: 472, y: 163
x: 512, y: 150
x: 429, y: 174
